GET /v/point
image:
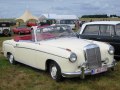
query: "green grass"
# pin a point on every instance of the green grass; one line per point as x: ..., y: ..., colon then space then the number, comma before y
x: 22, y: 77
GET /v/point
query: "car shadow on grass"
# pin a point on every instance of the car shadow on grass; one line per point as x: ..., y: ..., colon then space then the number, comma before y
x: 29, y: 69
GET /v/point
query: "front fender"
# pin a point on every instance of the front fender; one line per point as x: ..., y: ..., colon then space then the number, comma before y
x: 8, y: 46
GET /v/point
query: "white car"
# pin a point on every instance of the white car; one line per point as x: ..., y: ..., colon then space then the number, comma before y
x: 69, y: 22
x: 57, y: 49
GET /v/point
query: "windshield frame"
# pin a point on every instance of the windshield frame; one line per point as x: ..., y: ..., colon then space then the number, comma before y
x: 36, y: 33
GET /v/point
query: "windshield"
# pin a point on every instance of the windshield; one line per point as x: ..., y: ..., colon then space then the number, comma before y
x: 52, y: 32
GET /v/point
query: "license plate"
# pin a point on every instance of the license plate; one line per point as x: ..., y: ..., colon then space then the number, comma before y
x: 99, y: 70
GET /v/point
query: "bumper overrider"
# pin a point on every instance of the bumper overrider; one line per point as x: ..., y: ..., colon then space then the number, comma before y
x: 84, y: 71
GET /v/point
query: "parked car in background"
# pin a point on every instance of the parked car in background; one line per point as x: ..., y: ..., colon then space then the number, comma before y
x: 30, y: 24
x: 21, y: 30
x: 57, y: 49
x: 5, y: 28
x: 105, y: 31
x: 71, y: 22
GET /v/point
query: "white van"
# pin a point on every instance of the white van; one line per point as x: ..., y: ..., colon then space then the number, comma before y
x: 71, y: 22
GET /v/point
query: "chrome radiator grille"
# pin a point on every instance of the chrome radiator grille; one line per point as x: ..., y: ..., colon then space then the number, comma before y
x: 93, y: 56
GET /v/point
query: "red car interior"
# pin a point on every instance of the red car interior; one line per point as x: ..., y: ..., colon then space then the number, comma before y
x: 25, y: 37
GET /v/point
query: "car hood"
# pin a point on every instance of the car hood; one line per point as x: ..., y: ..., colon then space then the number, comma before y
x: 72, y: 43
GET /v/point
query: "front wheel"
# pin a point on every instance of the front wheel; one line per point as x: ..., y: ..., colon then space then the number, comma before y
x: 55, y: 71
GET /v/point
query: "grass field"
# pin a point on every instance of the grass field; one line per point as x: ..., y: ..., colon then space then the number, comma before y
x: 22, y: 77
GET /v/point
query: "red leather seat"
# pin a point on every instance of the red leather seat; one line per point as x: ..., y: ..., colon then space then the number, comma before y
x: 25, y: 37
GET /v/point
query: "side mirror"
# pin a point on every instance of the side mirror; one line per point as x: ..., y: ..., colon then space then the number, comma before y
x: 77, y: 35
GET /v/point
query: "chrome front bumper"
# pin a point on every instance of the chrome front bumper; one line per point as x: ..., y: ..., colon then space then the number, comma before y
x: 83, y: 72
x: 76, y: 74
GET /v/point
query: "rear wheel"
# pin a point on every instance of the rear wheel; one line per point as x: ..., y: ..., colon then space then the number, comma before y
x: 11, y: 59
x: 55, y: 71
x: 6, y: 32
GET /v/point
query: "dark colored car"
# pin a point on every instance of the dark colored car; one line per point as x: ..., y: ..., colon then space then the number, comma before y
x: 106, y: 31
x: 5, y: 28
x: 21, y: 30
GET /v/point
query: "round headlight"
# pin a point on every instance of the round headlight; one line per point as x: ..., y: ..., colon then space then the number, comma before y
x: 73, y: 57
x: 111, y: 50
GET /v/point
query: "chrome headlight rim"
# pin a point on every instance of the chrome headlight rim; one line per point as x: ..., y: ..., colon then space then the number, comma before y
x: 73, y: 57
x: 111, y: 50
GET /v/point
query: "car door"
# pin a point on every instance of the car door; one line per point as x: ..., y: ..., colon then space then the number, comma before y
x: 107, y: 33
x: 116, y: 44
x: 25, y: 53
x: 116, y: 40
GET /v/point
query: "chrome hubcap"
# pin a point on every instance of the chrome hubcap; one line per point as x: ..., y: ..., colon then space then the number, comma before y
x: 53, y: 72
x: 11, y: 58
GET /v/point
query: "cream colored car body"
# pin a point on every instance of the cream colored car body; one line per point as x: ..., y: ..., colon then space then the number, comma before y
x: 37, y: 54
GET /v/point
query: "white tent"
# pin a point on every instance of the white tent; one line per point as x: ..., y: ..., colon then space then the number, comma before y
x: 67, y: 17
x: 27, y: 16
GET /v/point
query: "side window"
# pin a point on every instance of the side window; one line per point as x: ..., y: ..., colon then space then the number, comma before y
x: 106, y: 30
x: 118, y: 29
x: 91, y: 30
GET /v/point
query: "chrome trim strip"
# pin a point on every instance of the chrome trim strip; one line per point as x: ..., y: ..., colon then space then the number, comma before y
x: 41, y: 51
x: 9, y: 44
x: 36, y: 50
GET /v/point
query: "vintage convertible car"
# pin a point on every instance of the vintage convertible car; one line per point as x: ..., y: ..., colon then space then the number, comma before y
x: 57, y: 49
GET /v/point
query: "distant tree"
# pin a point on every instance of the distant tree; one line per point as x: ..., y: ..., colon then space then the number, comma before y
x: 114, y: 15
x: 95, y: 16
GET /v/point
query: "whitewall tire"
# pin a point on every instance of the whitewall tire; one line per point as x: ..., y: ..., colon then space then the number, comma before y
x: 55, y: 71
x: 11, y: 59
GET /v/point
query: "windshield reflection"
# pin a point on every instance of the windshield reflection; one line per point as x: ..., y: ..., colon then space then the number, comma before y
x: 52, y: 32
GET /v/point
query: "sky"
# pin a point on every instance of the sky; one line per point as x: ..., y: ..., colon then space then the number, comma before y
x: 15, y: 8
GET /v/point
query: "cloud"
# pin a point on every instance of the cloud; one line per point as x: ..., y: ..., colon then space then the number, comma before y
x: 15, y: 8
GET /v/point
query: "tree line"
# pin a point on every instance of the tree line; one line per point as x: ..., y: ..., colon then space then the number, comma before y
x: 100, y: 16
